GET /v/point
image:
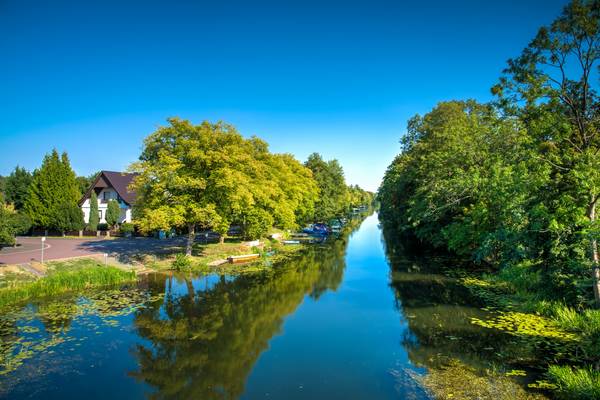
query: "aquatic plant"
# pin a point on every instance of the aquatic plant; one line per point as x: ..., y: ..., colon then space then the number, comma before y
x: 61, y: 281
x: 40, y: 329
x: 576, y: 383
x: 458, y: 381
x: 182, y: 263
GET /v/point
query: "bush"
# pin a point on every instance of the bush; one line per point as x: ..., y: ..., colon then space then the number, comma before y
x: 182, y: 263
x: 576, y: 383
x: 127, y: 227
x: 102, y: 227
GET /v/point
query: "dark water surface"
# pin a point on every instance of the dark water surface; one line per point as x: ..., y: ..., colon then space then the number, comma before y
x: 336, y: 322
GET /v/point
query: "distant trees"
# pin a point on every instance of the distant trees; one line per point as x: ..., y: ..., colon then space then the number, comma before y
x: 329, y: 175
x: 16, y: 187
x: 113, y: 211
x: 84, y: 182
x: 94, y: 218
x: 53, y: 188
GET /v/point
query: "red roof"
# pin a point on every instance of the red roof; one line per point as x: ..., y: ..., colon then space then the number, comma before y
x: 119, y: 181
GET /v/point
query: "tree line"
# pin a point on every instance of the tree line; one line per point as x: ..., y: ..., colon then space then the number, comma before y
x: 45, y: 199
x: 203, y: 176
x: 208, y: 176
x: 516, y: 181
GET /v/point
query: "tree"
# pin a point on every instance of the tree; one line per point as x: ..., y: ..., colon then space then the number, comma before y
x: 84, y: 182
x: 209, y: 176
x: 16, y: 187
x: 11, y: 223
x: 53, y: 186
x: 329, y: 175
x: 94, y: 217
x: 68, y: 217
x: 256, y: 223
x: 113, y: 212
x: 551, y: 85
x: 463, y: 182
x: 2, y: 182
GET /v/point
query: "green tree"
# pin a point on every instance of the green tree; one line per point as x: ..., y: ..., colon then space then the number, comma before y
x: 68, y: 217
x: 84, y: 182
x: 209, y: 176
x: 16, y: 187
x: 12, y: 223
x: 256, y: 223
x: 94, y: 218
x: 333, y: 192
x: 552, y: 86
x: 464, y: 182
x: 113, y: 212
x: 2, y: 182
x: 53, y: 186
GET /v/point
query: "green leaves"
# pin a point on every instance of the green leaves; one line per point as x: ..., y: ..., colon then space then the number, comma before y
x: 94, y: 217
x: 210, y: 176
x: 53, y: 188
x: 113, y: 213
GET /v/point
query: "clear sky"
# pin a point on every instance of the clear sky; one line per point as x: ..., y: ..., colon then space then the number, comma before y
x: 93, y: 78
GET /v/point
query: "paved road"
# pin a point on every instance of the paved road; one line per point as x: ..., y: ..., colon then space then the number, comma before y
x: 56, y: 248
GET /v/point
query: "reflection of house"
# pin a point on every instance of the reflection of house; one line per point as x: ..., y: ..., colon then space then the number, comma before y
x: 110, y: 186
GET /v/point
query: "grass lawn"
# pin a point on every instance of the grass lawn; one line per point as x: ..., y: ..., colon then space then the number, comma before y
x: 205, y: 254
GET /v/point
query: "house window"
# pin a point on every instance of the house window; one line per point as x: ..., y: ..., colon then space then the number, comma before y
x: 100, y: 214
x: 106, y: 195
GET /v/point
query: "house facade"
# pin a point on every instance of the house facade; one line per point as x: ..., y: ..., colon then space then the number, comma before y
x: 110, y: 185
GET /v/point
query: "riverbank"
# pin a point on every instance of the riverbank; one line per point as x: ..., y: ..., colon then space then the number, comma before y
x: 60, y: 277
x: 571, y: 337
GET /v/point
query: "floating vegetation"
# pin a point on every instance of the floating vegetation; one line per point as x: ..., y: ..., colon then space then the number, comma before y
x: 522, y: 324
x: 458, y: 381
x: 40, y: 329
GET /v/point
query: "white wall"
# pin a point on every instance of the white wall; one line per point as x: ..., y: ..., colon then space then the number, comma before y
x: 103, y: 206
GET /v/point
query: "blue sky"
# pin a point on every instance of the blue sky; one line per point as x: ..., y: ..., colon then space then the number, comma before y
x: 340, y: 78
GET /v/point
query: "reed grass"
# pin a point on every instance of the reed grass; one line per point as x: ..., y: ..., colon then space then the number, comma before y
x: 63, y: 278
x: 576, y: 383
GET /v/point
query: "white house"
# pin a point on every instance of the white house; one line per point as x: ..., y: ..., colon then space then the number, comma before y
x: 110, y: 185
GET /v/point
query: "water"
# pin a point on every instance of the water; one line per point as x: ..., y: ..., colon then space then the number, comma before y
x: 336, y: 322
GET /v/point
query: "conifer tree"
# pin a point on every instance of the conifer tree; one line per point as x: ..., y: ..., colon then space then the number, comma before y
x: 53, y: 186
x: 112, y: 213
x: 16, y: 187
x: 94, y: 218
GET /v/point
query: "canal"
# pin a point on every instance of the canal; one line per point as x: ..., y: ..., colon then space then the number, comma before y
x: 336, y: 322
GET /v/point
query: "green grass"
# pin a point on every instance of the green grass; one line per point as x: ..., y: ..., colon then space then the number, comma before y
x: 576, y: 383
x: 63, y: 277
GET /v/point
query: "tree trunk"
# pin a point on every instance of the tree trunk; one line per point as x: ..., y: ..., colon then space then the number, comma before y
x: 190, y: 239
x: 222, y: 239
x: 595, y: 258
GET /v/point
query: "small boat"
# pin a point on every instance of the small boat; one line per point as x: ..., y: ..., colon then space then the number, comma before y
x: 317, y: 230
x: 242, y: 258
x: 291, y: 242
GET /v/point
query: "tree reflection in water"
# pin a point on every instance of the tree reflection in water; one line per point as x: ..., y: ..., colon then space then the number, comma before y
x: 205, y: 343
